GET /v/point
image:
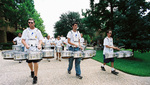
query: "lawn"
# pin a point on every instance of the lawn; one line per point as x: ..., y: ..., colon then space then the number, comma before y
x: 139, y: 65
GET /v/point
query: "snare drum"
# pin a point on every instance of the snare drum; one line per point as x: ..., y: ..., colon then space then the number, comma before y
x: 110, y: 55
x: 119, y: 54
x: 88, y: 54
x: 34, y: 55
x: 78, y: 54
x: 20, y: 56
x: 48, y: 53
x: 17, y: 47
x: 93, y: 52
x: 8, y: 54
x: 66, y: 54
x: 47, y: 47
x: 58, y: 49
x: 127, y: 53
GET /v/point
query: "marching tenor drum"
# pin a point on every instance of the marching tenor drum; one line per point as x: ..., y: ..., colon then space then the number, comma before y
x: 47, y: 47
x: 119, y: 54
x: 8, y: 55
x: 110, y: 55
x: 20, y: 56
x: 78, y: 54
x: 66, y: 54
x: 58, y: 49
x: 48, y: 53
x: 17, y: 47
x: 127, y: 53
x: 88, y: 54
x: 34, y: 55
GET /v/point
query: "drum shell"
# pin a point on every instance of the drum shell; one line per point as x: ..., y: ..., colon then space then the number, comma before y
x: 48, y: 53
x: 8, y: 54
x: 93, y: 52
x: 88, y: 54
x: 127, y: 53
x: 110, y: 55
x: 120, y: 54
x: 66, y: 54
x: 33, y: 55
x: 78, y: 54
x: 16, y: 47
x: 46, y: 47
x: 20, y: 56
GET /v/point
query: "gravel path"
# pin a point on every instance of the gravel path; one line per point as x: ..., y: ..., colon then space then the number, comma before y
x: 55, y: 73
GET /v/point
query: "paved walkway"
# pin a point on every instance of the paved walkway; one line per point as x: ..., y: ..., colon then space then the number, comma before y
x: 55, y: 73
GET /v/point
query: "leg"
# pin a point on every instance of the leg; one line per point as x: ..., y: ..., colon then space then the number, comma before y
x: 30, y: 66
x: 35, y: 69
x: 77, y: 66
x: 35, y: 72
x: 59, y: 56
x: 70, y: 63
x: 56, y: 55
x: 112, y: 64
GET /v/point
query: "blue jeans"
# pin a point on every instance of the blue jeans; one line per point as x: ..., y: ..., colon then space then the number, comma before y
x: 77, y: 62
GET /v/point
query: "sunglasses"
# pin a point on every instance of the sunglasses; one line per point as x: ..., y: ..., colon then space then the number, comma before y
x: 30, y: 22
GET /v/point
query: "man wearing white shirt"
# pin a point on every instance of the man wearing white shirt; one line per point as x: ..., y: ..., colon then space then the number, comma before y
x: 67, y: 44
x: 17, y: 40
x: 32, y: 38
x: 74, y: 41
x: 108, y: 48
x: 58, y: 43
x: 52, y: 42
x: 63, y: 40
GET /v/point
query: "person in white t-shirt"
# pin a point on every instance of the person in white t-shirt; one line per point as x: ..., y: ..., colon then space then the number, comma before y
x: 108, y: 48
x: 82, y: 42
x: 58, y: 43
x: 63, y: 40
x: 74, y: 41
x: 67, y: 44
x: 48, y: 40
x: 17, y: 40
x: 52, y: 43
x: 43, y: 42
x: 32, y: 38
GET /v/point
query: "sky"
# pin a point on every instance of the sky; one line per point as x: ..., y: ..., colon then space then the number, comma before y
x: 50, y: 10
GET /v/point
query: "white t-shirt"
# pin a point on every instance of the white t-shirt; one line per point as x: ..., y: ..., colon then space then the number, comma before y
x: 109, y: 42
x: 82, y: 41
x: 58, y: 42
x: 74, y: 37
x: 63, y: 39
x: 32, y: 36
x: 47, y: 41
x: 18, y: 40
x: 44, y: 39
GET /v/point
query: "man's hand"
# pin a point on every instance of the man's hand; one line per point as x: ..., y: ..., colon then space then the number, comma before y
x: 27, y: 46
x: 76, y: 45
x: 39, y: 46
x: 116, y: 48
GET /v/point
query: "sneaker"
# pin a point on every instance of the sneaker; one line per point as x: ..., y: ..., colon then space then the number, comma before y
x: 34, y: 80
x: 59, y: 59
x: 78, y: 76
x: 103, y: 68
x: 69, y: 72
x: 114, y: 72
x: 32, y: 74
x: 56, y: 58
x: 20, y: 61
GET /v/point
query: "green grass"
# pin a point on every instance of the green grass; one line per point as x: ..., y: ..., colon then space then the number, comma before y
x: 139, y: 65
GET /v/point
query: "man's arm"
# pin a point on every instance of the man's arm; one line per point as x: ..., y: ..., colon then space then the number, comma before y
x: 24, y: 43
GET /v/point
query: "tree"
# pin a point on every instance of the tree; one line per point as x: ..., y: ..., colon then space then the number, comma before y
x: 64, y: 25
